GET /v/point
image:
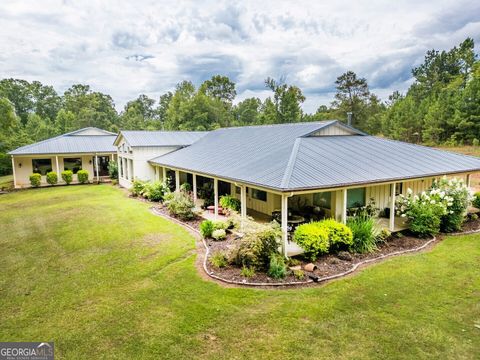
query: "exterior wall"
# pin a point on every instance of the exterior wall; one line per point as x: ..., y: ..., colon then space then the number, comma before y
x: 333, y: 130
x: 22, y: 174
x: 137, y: 161
x: 265, y: 207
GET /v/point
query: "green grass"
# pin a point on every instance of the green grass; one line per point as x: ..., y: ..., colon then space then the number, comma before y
x: 97, y: 273
x: 6, y: 182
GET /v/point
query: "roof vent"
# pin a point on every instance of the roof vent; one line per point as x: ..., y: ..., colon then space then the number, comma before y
x: 349, y: 118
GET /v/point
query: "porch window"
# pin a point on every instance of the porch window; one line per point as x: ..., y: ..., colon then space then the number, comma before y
x: 41, y: 166
x: 398, y: 188
x: 323, y: 199
x: 259, y: 194
x: 73, y: 164
x: 355, y: 198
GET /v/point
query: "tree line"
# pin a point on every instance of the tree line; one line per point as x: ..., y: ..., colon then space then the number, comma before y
x: 442, y: 106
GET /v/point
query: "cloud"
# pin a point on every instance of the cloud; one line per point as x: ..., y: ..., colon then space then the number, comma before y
x: 127, y: 48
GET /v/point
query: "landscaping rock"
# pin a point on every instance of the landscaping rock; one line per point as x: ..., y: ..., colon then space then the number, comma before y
x: 345, y: 255
x: 294, y: 268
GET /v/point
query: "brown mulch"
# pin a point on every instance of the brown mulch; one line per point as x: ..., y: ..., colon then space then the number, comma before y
x: 471, y: 225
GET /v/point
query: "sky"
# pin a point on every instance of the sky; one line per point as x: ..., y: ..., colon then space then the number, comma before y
x: 128, y: 48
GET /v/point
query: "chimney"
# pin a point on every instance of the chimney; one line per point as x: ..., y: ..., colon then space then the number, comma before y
x: 349, y: 118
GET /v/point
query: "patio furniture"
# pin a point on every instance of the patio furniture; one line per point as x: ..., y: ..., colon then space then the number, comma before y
x: 211, y: 209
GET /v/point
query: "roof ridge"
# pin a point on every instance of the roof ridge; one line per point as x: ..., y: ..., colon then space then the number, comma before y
x: 320, y: 122
x: 291, y: 162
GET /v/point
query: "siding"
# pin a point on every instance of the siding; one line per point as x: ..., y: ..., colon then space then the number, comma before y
x: 333, y: 130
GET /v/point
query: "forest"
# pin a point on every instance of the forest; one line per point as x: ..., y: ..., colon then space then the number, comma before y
x: 441, y: 107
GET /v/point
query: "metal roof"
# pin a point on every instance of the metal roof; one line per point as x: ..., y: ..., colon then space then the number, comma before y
x: 73, y: 142
x: 159, y: 138
x: 284, y: 157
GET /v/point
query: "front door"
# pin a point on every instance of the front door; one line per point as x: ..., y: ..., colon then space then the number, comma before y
x: 102, y: 166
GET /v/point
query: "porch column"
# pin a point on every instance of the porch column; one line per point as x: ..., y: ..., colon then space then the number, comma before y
x: 344, y: 206
x: 14, y: 175
x: 155, y: 170
x: 243, y: 204
x: 177, y: 180
x: 96, y: 165
x: 215, y: 194
x: 164, y: 174
x: 284, y: 224
x: 392, y: 207
x: 194, y: 180
x: 58, y: 167
x: 468, y: 180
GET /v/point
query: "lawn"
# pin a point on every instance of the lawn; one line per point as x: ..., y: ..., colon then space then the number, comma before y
x: 6, y: 182
x: 97, y: 273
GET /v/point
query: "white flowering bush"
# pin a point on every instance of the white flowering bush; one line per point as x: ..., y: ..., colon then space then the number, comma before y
x: 442, y: 207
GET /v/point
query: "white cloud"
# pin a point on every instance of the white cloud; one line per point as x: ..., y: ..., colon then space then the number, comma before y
x: 127, y: 48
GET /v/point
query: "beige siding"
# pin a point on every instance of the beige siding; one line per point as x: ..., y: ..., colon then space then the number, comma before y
x: 265, y: 207
x: 333, y: 130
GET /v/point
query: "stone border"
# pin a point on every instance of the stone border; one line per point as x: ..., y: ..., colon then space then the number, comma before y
x: 297, y: 283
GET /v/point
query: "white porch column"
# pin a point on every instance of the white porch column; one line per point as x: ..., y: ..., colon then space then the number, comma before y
x: 215, y: 194
x: 164, y: 174
x: 58, y: 167
x: 14, y: 175
x: 392, y: 207
x: 468, y: 180
x: 194, y: 180
x: 156, y: 175
x: 243, y: 201
x: 344, y: 206
x: 284, y: 224
x: 96, y: 165
x: 177, y: 180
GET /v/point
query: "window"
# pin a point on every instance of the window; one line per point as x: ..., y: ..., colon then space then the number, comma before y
x: 323, y: 199
x: 355, y: 198
x: 237, y: 190
x: 398, y: 189
x: 41, y: 166
x: 258, y: 194
x: 73, y: 164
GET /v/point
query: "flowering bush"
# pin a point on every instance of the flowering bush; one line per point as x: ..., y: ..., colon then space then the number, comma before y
x: 442, y: 207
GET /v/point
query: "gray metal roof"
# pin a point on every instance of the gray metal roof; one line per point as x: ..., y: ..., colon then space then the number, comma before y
x: 160, y: 138
x: 284, y: 157
x: 73, y: 142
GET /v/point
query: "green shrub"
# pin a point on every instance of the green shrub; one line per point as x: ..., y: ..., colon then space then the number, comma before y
x: 217, y: 224
x: 339, y: 235
x: 180, y: 205
x: 113, y: 170
x: 365, y: 234
x: 475, y: 142
x: 206, y: 228
x: 299, y: 274
x: 35, y: 180
x: 277, y: 268
x: 229, y: 203
x: 137, y: 187
x: 256, y: 248
x: 67, y: 176
x: 82, y: 176
x: 313, y: 239
x: 186, y: 187
x: 114, y: 182
x: 219, y: 234
x: 52, y: 178
x: 476, y: 200
x: 425, y: 220
x: 219, y: 259
x: 247, y: 272
x: 155, y: 191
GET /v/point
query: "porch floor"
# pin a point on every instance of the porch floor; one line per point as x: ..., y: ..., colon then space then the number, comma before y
x: 399, y: 224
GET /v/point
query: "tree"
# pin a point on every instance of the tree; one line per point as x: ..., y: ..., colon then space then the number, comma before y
x: 220, y: 87
x: 287, y: 100
x: 162, y: 109
x: 246, y: 112
x: 139, y: 114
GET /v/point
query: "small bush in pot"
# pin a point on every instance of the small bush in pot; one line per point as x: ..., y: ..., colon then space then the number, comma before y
x: 82, y: 176
x: 35, y: 180
x: 228, y: 202
x: 52, y: 178
x: 313, y: 239
x: 219, y: 234
x: 67, y: 176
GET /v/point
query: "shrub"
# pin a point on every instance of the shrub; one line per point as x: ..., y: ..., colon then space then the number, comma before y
x: 206, y: 193
x: 52, y: 178
x: 219, y: 234
x: 475, y: 142
x: 114, y: 182
x: 180, y: 205
x: 424, y: 220
x: 155, y: 191
x: 219, y: 259
x: 476, y: 200
x: 229, y: 203
x: 256, y: 248
x: 137, y: 187
x: 35, y: 180
x: 313, y: 239
x: 339, y: 235
x: 299, y: 274
x: 113, y: 170
x: 206, y: 228
x: 277, y: 268
x: 82, y: 176
x: 220, y: 225
x: 67, y: 176
x: 186, y: 187
x: 247, y: 272
x: 365, y: 234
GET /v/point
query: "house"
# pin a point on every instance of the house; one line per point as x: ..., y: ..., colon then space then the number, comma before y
x: 312, y: 169
x: 136, y: 148
x: 90, y: 149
